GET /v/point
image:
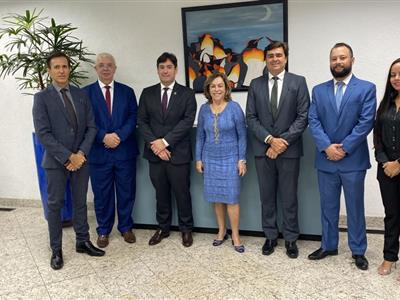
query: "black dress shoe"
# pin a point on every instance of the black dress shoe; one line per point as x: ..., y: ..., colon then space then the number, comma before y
x: 56, y: 261
x: 269, y: 246
x: 88, y: 248
x: 291, y: 249
x: 157, y: 237
x: 187, y: 239
x: 321, y: 253
x: 361, y: 262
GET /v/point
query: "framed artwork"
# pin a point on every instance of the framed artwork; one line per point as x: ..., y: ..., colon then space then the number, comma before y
x: 231, y: 38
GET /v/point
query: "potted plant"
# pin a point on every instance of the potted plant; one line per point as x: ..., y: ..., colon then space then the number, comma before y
x: 29, y: 40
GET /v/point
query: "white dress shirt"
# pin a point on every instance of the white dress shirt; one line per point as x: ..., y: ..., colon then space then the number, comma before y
x: 103, y: 90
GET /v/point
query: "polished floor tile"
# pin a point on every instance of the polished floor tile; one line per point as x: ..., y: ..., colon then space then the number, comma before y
x: 171, y: 271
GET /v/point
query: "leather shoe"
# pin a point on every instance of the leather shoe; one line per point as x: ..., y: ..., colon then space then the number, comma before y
x: 269, y: 246
x: 321, y: 253
x: 56, y: 261
x: 187, y: 239
x: 102, y: 240
x: 88, y: 248
x: 129, y: 236
x: 157, y: 237
x: 291, y: 249
x: 361, y: 262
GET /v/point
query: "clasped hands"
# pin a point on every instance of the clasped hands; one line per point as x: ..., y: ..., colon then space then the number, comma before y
x: 111, y: 140
x: 160, y: 149
x: 75, y: 162
x: 277, y: 146
x: 335, y: 152
x: 391, y: 168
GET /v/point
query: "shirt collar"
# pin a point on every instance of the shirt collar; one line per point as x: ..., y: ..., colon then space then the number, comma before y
x: 58, y: 88
x: 345, y: 81
x: 171, y: 86
x: 102, y: 85
x: 280, y: 76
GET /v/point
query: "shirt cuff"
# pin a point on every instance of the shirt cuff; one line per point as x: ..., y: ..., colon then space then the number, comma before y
x: 165, y: 143
x: 267, y: 139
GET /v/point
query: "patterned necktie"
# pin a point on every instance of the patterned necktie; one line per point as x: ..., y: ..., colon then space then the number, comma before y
x: 70, y: 109
x: 339, y: 94
x: 108, y: 98
x: 164, y: 100
x: 274, y: 98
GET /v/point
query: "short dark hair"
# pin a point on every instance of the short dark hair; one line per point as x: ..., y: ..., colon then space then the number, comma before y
x: 341, y: 44
x: 210, y: 79
x: 55, y: 55
x: 277, y: 44
x: 167, y: 56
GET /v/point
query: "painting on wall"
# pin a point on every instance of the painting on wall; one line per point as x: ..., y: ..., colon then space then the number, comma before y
x: 231, y: 39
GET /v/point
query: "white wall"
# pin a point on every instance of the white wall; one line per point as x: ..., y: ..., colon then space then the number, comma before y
x: 136, y: 32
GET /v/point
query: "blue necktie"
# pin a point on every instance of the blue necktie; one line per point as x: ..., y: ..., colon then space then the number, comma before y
x: 339, y: 94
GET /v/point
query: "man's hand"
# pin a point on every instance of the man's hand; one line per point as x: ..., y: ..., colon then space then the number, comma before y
x: 391, y: 168
x: 279, y: 145
x: 157, y: 146
x: 76, y: 160
x: 164, y: 155
x: 271, y: 153
x: 335, y: 152
x: 111, y: 140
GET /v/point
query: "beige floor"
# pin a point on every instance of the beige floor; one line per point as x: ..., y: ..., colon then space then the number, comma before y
x: 170, y: 271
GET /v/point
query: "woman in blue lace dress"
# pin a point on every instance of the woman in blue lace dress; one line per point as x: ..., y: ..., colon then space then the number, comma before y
x: 221, y: 154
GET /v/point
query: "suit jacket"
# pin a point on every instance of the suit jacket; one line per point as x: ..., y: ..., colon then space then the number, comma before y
x: 174, y: 125
x: 122, y: 122
x: 291, y: 119
x: 348, y: 126
x: 54, y: 129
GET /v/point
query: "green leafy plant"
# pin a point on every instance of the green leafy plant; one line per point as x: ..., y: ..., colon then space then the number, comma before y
x: 29, y: 39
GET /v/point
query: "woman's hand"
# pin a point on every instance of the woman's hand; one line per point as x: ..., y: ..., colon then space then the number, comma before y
x: 391, y: 168
x: 199, y: 166
x: 242, y: 167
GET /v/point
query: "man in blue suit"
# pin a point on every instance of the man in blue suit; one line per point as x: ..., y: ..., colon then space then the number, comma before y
x: 114, y: 151
x: 64, y: 123
x: 340, y: 117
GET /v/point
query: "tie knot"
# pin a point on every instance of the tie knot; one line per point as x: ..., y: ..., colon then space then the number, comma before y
x: 340, y: 84
x: 107, y: 87
x: 165, y: 89
x: 275, y: 78
x: 64, y: 90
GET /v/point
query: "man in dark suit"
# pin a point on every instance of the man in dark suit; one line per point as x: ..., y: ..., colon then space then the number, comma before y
x: 112, y: 159
x: 341, y: 116
x: 64, y: 123
x: 276, y: 111
x: 165, y: 118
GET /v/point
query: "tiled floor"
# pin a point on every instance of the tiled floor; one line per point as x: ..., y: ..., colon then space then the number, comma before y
x: 170, y: 271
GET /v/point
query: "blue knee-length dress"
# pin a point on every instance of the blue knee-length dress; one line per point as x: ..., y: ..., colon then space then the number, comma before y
x: 220, y: 144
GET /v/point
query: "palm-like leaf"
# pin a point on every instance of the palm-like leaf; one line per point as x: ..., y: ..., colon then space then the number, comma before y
x: 29, y: 40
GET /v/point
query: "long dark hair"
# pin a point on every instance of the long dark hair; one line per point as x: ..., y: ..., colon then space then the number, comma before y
x: 390, y: 93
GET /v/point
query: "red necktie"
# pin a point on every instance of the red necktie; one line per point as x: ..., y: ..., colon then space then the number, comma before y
x: 164, y: 100
x: 108, y: 98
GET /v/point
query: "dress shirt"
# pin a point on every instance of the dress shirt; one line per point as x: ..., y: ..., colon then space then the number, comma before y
x: 169, y: 92
x: 345, y: 83
x: 58, y: 89
x: 279, y: 81
x: 103, y: 90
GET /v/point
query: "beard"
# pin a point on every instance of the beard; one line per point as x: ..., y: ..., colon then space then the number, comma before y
x: 343, y: 73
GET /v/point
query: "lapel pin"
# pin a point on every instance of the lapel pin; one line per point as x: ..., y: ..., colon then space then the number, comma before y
x: 174, y: 93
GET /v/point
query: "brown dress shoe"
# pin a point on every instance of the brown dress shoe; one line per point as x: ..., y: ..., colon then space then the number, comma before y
x: 187, y: 239
x: 157, y: 237
x: 129, y: 236
x: 102, y: 241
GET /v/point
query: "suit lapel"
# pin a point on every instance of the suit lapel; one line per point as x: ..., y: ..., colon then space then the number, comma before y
x: 330, y: 90
x: 77, y: 103
x: 264, y: 95
x: 173, y: 99
x: 347, y: 94
x: 116, y: 97
x: 101, y: 101
x: 285, y: 89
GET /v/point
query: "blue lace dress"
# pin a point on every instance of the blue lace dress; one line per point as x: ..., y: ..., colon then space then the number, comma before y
x: 220, y: 144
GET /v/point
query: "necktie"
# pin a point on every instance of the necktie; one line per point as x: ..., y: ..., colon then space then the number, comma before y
x: 339, y: 94
x: 164, y: 100
x: 274, y: 97
x: 108, y: 98
x: 70, y: 110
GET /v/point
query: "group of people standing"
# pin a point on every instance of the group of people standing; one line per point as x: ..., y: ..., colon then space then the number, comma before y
x: 97, y: 125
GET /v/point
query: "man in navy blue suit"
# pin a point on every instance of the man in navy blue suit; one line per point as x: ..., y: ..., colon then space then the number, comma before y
x: 340, y: 117
x: 114, y: 151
